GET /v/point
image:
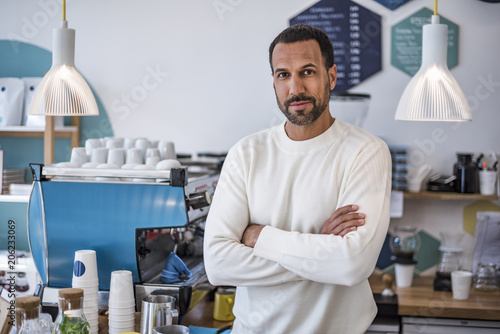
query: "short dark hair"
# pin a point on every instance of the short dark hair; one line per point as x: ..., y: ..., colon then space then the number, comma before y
x: 303, y: 32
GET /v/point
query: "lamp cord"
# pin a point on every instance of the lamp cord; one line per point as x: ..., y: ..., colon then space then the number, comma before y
x: 64, y: 10
x: 435, y: 7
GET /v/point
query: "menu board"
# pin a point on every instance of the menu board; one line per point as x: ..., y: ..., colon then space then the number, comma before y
x: 355, y: 33
x: 406, y: 41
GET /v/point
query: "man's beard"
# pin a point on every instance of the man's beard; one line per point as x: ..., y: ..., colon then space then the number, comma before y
x: 301, y: 118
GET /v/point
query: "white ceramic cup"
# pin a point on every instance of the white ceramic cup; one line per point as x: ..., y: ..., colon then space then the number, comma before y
x: 167, y: 149
x: 461, y: 281
x: 152, y: 161
x: 152, y: 152
x: 78, y: 155
x: 134, y: 156
x: 404, y: 275
x: 487, y: 182
x: 142, y: 143
x: 90, y: 144
x: 128, y: 143
x: 85, y: 265
x: 99, y: 154
x: 116, y: 156
x: 114, y: 143
x: 168, y: 164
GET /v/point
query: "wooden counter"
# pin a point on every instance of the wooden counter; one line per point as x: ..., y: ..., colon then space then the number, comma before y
x: 420, y: 300
x: 202, y: 315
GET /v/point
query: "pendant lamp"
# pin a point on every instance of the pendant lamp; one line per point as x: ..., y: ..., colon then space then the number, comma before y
x: 433, y: 94
x: 63, y: 91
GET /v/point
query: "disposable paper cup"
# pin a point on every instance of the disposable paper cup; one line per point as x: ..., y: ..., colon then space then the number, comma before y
x: 461, y: 281
x: 122, y: 317
x: 487, y: 182
x: 122, y: 324
x: 404, y: 275
x: 121, y: 304
x: 85, y: 265
x: 92, y: 291
x: 121, y: 311
x: 121, y: 287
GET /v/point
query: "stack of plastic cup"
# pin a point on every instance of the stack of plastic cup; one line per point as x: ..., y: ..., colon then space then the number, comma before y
x: 85, y: 278
x: 121, y: 303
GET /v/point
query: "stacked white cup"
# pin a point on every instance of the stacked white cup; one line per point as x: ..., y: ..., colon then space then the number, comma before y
x: 85, y: 278
x: 121, y: 303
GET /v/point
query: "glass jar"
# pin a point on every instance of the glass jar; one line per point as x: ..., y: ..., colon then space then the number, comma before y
x: 404, y: 242
x: 27, y: 311
x: 465, y: 171
x: 485, y: 278
x: 70, y: 319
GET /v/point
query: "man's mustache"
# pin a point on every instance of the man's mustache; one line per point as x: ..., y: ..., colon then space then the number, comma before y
x: 299, y: 98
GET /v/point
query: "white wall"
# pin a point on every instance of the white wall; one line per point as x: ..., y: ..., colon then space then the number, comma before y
x: 215, y: 86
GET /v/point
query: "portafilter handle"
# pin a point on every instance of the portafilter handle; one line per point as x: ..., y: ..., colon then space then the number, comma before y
x: 199, y: 200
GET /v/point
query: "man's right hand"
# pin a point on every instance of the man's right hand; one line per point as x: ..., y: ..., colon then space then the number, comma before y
x: 343, y: 221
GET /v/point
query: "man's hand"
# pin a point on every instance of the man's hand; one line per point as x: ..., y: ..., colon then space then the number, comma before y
x: 251, y: 235
x: 343, y: 221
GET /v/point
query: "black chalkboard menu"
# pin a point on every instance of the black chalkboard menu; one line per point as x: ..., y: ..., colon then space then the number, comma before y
x: 355, y: 33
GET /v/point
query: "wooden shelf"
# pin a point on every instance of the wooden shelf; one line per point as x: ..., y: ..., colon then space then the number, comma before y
x: 38, y: 132
x: 48, y: 133
x: 449, y: 196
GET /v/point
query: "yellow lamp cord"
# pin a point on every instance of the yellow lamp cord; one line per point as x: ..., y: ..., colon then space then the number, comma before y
x: 64, y: 10
x: 435, y: 7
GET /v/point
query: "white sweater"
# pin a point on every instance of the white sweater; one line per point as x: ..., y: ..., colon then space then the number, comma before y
x: 296, y: 280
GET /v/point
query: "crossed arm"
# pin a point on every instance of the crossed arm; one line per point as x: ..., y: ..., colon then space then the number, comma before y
x: 341, y: 222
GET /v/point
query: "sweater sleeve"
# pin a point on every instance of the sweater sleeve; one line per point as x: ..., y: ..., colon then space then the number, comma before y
x: 333, y: 259
x: 227, y: 260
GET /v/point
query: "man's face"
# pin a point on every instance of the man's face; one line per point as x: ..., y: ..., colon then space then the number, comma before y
x: 302, y: 84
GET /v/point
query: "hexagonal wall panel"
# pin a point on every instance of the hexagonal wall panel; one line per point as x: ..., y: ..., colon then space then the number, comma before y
x: 392, y: 4
x: 355, y: 34
x: 406, y: 41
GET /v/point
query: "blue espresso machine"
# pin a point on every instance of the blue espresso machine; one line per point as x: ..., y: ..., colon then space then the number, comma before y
x: 67, y: 212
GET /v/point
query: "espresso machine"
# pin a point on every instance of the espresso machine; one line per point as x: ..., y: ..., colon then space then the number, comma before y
x: 131, y: 225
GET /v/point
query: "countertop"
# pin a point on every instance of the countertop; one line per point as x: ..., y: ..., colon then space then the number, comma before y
x: 420, y: 300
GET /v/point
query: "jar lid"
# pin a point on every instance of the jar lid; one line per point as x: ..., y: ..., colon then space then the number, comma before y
x: 27, y: 302
x: 71, y: 293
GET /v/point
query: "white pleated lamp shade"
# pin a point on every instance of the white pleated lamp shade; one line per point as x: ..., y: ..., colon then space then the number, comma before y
x: 433, y: 94
x: 63, y: 91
